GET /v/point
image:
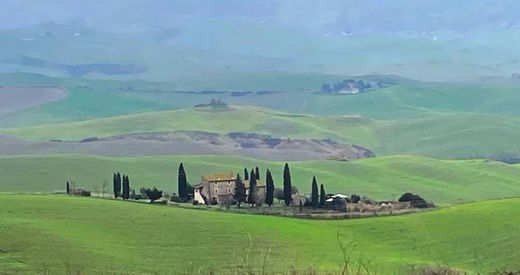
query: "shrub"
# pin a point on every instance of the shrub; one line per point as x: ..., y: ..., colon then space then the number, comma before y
x: 406, y: 197
x: 415, y: 200
x: 278, y: 193
x: 143, y: 193
x: 133, y: 195
x: 355, y: 198
x: 175, y: 198
x: 307, y: 203
x: 195, y: 202
x: 213, y: 201
x: 153, y: 194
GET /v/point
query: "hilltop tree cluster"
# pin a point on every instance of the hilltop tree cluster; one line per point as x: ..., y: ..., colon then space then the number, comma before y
x: 240, y: 192
x: 286, y: 194
x: 121, y: 186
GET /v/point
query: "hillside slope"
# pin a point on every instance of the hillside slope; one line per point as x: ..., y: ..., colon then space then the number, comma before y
x: 97, y: 236
x: 380, y: 178
x: 450, y: 135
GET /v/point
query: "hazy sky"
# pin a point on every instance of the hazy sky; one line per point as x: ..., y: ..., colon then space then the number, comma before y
x: 311, y: 15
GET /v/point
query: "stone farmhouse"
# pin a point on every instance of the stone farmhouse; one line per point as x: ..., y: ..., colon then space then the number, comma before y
x: 220, y: 187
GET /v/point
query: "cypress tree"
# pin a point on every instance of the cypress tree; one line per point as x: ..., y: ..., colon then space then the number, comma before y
x: 126, y: 187
x: 287, y: 194
x: 269, y: 188
x: 323, y: 196
x: 314, y: 193
x: 240, y: 191
x: 257, y: 173
x: 182, y: 183
x: 246, y: 174
x: 114, y: 183
x: 123, y: 184
x: 126, y: 190
x: 117, y: 185
x: 252, y: 188
x: 68, y: 188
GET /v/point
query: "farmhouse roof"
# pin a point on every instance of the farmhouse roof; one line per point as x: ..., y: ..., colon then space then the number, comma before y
x: 258, y: 183
x: 221, y: 176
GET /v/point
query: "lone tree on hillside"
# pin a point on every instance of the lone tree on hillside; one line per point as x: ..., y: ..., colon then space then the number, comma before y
x: 68, y: 188
x: 269, y: 188
x: 323, y: 196
x: 240, y: 191
x: 246, y: 174
x: 252, y: 189
x: 314, y: 193
x: 182, y: 183
x: 126, y: 187
x: 153, y: 194
x: 287, y: 196
x: 257, y: 173
x: 117, y: 185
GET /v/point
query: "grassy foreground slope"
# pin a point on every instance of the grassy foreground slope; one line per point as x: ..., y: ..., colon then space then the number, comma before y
x: 380, y: 178
x: 97, y: 236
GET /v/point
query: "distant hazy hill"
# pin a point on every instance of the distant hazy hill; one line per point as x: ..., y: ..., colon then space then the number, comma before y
x: 427, y: 40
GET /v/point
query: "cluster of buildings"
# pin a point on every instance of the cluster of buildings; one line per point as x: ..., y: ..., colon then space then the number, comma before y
x: 220, y: 188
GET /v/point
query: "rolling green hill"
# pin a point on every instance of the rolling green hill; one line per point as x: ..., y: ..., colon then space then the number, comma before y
x: 96, y: 236
x: 463, y: 135
x: 379, y: 178
x: 244, y: 119
x: 81, y: 103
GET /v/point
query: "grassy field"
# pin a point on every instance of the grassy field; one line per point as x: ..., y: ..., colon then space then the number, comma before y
x: 95, y: 236
x: 296, y: 92
x: 441, y: 136
x: 244, y: 119
x: 380, y: 178
x: 81, y: 103
x: 450, y: 121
